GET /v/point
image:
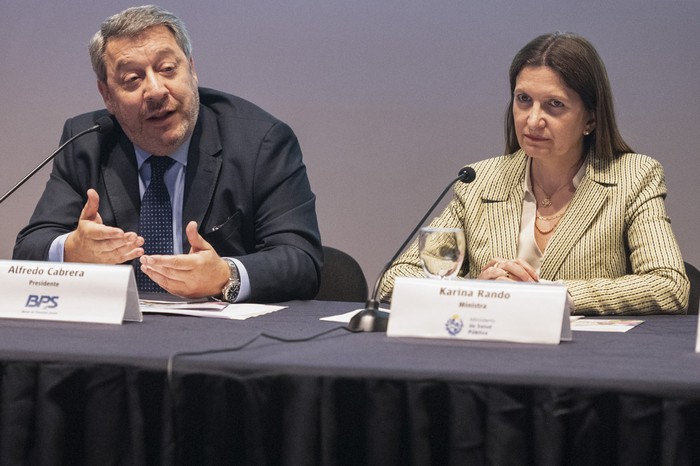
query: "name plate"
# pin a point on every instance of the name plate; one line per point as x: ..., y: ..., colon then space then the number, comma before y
x: 480, y: 310
x: 68, y: 292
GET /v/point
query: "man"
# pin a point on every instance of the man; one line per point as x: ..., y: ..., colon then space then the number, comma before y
x: 240, y: 214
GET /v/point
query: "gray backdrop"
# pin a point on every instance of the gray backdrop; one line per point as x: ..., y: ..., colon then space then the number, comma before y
x: 389, y: 98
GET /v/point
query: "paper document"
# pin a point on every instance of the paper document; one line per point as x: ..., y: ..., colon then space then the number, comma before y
x: 604, y: 325
x: 215, y: 309
x: 345, y: 318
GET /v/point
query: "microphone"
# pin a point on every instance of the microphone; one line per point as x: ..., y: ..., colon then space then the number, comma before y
x: 103, y: 125
x: 371, y: 319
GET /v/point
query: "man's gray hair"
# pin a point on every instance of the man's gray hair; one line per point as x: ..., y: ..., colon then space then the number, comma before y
x: 130, y: 23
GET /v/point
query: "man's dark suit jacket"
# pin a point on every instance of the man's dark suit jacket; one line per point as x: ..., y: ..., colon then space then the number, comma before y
x: 246, y: 187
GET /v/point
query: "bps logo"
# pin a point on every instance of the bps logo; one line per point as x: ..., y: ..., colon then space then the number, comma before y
x: 43, y: 302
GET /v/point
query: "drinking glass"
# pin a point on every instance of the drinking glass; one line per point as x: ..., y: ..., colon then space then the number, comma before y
x: 441, y: 251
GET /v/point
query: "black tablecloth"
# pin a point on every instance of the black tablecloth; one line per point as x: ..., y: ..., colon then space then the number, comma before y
x: 100, y: 394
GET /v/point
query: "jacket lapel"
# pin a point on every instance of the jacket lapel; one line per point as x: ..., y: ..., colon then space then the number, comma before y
x: 503, y: 202
x: 591, y: 195
x: 120, y: 175
x: 203, y: 167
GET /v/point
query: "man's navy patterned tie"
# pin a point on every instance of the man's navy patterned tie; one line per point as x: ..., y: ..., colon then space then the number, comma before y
x: 155, y: 221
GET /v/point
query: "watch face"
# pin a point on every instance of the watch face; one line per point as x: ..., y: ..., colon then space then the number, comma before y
x: 231, y: 290
x: 232, y: 294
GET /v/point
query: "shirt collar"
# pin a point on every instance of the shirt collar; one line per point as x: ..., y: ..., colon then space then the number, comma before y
x: 180, y: 154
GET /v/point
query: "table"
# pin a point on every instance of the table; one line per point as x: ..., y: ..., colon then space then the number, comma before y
x: 100, y: 394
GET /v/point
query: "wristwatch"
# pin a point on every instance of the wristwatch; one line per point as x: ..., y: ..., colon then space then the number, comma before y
x: 231, y: 289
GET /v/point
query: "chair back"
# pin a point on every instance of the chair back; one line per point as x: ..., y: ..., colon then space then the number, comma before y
x: 694, y: 299
x: 342, y: 278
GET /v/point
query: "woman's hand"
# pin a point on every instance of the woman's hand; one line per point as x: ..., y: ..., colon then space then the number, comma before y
x: 516, y: 270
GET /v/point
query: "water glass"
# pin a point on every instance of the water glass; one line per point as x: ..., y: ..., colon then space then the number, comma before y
x: 441, y: 251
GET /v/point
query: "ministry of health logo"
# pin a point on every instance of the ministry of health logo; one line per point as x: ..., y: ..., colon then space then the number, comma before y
x: 454, y: 325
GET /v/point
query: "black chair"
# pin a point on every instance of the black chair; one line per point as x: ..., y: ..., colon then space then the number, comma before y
x: 694, y: 299
x: 342, y: 278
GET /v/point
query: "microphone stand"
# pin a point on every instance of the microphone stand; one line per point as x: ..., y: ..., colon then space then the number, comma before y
x: 371, y: 319
x: 103, y: 125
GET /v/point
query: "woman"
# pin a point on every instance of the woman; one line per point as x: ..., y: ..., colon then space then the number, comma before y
x: 570, y: 201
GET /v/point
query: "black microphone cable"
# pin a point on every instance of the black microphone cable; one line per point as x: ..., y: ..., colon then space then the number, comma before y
x: 180, y: 354
x: 170, y: 368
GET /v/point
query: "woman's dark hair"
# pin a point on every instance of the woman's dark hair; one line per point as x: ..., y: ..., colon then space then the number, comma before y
x: 582, y: 70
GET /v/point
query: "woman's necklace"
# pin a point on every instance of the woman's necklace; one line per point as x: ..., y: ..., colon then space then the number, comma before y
x: 547, y: 201
x: 545, y: 232
x: 547, y: 219
x: 552, y: 217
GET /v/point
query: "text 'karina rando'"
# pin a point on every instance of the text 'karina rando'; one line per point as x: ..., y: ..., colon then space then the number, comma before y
x: 474, y: 294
